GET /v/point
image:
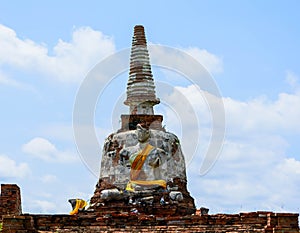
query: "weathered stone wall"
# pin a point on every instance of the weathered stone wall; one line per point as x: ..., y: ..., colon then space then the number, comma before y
x: 88, y: 222
x: 115, y: 174
x: 115, y: 170
x: 10, y: 200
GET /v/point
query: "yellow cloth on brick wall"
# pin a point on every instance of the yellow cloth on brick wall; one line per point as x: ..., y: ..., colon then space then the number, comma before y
x: 80, y: 204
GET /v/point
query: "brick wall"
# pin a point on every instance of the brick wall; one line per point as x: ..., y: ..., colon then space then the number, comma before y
x: 89, y: 222
x: 92, y: 222
x: 10, y: 200
x: 129, y: 122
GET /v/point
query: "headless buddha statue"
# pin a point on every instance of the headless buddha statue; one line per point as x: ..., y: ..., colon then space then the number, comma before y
x: 144, y: 160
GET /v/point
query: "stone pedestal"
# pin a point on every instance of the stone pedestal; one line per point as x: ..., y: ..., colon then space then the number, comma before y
x: 111, y: 195
x: 144, y: 202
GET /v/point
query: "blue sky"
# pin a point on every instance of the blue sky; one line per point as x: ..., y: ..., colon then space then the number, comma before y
x: 251, y: 48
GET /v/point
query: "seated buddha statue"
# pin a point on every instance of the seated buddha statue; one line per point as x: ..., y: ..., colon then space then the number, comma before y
x: 144, y: 160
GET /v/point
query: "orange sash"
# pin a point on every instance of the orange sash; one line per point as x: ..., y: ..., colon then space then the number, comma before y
x: 139, y: 161
x: 136, y: 167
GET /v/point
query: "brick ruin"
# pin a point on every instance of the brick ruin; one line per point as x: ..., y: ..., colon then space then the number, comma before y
x: 160, y: 188
x: 267, y: 222
x: 10, y: 200
x: 142, y: 185
x: 16, y: 222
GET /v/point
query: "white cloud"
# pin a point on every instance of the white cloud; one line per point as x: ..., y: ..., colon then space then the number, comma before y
x: 290, y: 166
x: 49, y: 178
x: 5, y: 80
x: 18, y: 52
x: 211, y: 62
x: 248, y: 177
x: 254, y: 170
x: 255, y: 115
x: 59, y: 131
x: 9, y: 168
x: 186, y: 61
x: 43, y: 149
x: 42, y: 206
x: 263, y: 114
x: 70, y: 61
x: 292, y: 79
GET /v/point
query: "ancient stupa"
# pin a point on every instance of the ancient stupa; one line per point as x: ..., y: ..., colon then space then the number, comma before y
x: 143, y: 167
x: 142, y: 183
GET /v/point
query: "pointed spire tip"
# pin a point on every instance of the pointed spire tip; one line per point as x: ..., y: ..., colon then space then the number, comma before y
x: 141, y: 95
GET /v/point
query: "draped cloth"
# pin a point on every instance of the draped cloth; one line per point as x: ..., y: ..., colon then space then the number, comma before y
x: 80, y: 204
x: 136, y: 168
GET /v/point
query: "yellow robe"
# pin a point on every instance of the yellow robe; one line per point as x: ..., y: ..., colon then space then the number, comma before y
x: 136, y: 167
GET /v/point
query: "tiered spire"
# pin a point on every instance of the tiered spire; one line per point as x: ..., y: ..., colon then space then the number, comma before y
x: 140, y: 87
